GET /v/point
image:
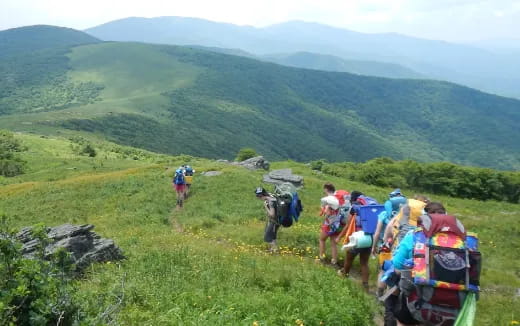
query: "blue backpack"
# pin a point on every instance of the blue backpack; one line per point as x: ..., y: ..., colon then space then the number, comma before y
x: 178, y: 178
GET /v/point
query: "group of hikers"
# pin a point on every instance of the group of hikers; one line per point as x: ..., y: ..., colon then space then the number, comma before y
x: 182, y: 180
x: 429, y: 266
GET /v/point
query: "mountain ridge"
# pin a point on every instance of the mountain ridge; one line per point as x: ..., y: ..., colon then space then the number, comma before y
x: 174, y: 99
x: 443, y: 60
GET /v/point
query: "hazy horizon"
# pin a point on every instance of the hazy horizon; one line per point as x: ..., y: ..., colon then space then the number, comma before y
x: 449, y: 20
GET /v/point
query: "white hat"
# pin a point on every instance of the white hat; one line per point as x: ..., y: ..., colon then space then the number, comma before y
x: 330, y: 201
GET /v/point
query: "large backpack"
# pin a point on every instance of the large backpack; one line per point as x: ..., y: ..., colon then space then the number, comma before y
x: 365, y: 200
x: 178, y: 178
x: 288, y: 204
x: 446, y: 268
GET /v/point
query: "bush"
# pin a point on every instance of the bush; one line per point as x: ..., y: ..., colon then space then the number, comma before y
x: 245, y: 153
x: 10, y: 163
x: 317, y: 165
x: 34, y: 291
x: 89, y: 150
x: 438, y: 178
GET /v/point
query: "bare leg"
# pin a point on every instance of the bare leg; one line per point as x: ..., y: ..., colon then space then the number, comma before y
x: 348, y: 262
x: 334, y: 250
x: 363, y: 260
x: 323, y: 238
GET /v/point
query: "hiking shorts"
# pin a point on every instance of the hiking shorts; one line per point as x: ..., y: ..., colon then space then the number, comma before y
x: 356, y: 251
x: 179, y: 188
x: 271, y: 229
x: 326, y: 228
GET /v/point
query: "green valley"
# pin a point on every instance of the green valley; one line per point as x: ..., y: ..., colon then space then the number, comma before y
x: 180, y: 100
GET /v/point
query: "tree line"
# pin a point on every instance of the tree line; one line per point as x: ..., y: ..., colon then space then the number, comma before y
x: 441, y: 178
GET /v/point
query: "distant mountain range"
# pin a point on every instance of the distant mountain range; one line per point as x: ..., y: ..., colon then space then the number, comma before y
x: 184, y: 100
x: 493, y: 72
x: 325, y: 62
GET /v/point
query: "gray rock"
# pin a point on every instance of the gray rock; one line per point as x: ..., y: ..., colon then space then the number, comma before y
x: 254, y: 163
x: 211, y: 173
x: 85, y: 247
x: 278, y: 177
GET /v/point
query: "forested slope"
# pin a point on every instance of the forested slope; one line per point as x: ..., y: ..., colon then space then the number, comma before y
x: 183, y: 100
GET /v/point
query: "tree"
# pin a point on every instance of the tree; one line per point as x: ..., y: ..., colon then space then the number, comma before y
x: 89, y: 150
x: 245, y: 153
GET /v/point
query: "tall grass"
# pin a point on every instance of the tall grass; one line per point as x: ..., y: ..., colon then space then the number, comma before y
x: 217, y: 271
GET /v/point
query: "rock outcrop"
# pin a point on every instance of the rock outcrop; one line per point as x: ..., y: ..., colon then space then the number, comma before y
x: 85, y: 246
x: 254, y: 163
x: 211, y: 173
x: 284, y: 175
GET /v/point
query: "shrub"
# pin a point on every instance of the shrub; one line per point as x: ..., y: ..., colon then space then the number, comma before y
x: 245, y: 153
x: 10, y: 163
x: 34, y: 291
x: 317, y: 165
x: 89, y: 150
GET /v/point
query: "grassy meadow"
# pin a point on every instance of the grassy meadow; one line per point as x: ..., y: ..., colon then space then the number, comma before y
x: 206, y: 264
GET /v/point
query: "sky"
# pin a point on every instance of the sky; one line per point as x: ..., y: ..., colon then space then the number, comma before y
x: 450, y: 20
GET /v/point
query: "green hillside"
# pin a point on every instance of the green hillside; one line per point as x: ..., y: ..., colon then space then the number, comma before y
x: 182, y: 100
x: 207, y: 264
x: 332, y: 63
x: 23, y: 40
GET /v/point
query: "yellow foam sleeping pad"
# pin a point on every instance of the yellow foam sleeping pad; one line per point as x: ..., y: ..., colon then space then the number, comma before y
x: 188, y: 179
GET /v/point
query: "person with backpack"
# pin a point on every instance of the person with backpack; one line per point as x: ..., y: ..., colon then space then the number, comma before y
x: 445, y: 263
x: 406, y: 219
x: 358, y: 199
x: 179, y: 184
x: 332, y: 225
x: 188, y: 171
x: 392, y: 207
x: 272, y: 223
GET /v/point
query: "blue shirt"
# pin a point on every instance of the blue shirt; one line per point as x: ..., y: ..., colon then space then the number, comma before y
x: 403, y: 251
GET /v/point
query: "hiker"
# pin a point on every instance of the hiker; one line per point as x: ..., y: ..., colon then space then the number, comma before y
x: 405, y: 247
x: 380, y: 248
x: 445, y: 264
x: 179, y: 184
x: 357, y: 199
x: 401, y: 256
x: 405, y: 220
x: 188, y: 172
x: 332, y: 225
x: 272, y: 225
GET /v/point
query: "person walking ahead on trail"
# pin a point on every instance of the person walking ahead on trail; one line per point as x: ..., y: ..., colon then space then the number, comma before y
x: 179, y: 184
x: 272, y: 225
x: 382, y: 250
x: 188, y: 176
x: 364, y: 253
x: 333, y: 223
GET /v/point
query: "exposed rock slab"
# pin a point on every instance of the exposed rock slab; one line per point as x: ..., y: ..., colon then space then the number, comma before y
x: 283, y: 175
x: 84, y: 245
x: 211, y: 173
